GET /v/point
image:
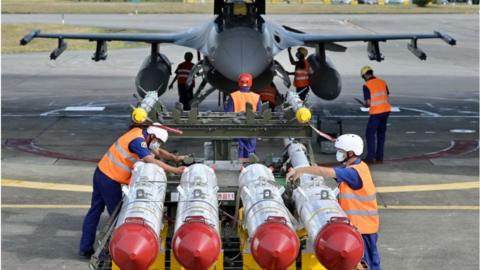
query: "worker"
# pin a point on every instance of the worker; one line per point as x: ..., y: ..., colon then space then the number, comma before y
x: 237, y: 103
x: 269, y: 94
x: 185, y: 91
x: 302, y: 72
x: 375, y: 93
x: 357, y: 195
x: 114, y: 170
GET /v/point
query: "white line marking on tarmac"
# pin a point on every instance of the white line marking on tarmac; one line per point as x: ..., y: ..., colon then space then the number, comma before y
x: 84, y: 109
x: 432, y: 114
x: 430, y: 132
x: 452, y: 144
x: 411, y: 132
x: 429, y: 104
x: 464, y: 131
x: 51, y: 112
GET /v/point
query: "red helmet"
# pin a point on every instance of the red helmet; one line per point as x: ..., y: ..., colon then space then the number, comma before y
x: 245, y: 79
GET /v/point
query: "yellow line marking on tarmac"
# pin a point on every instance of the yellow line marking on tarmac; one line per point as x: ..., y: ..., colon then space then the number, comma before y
x: 388, y: 207
x: 392, y: 189
x: 430, y: 207
x: 433, y: 187
x: 45, y: 186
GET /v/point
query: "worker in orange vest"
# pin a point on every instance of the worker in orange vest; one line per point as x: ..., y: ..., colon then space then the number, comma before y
x: 375, y: 93
x: 302, y: 72
x: 269, y: 94
x: 185, y: 91
x: 114, y: 170
x: 357, y: 195
x: 237, y: 103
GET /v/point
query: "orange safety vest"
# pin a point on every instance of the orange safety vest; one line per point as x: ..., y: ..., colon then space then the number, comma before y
x: 378, y: 96
x: 240, y: 100
x: 269, y: 94
x: 183, y: 70
x: 361, y: 205
x: 302, y: 78
x: 117, y: 163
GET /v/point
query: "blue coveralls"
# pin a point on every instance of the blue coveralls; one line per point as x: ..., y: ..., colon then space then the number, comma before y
x: 106, y: 192
x: 246, y: 146
x: 371, y: 255
x: 376, y: 126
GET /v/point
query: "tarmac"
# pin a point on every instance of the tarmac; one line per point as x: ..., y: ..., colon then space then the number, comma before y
x: 428, y: 188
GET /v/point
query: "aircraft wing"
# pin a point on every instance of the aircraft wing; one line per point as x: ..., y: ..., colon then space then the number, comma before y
x: 150, y: 38
x: 192, y: 38
x: 328, y: 41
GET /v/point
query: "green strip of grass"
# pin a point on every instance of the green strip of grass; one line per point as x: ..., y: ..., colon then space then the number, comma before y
x: 63, y: 6
x: 12, y: 33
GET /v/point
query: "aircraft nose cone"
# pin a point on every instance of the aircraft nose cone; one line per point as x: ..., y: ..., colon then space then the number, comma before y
x: 241, y: 50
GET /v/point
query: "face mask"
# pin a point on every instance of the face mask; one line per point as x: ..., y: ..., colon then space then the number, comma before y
x: 298, y: 55
x: 340, y: 156
x: 154, y: 145
x: 244, y: 88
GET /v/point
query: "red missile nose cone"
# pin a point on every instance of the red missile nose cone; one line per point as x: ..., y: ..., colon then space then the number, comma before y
x: 274, y: 246
x: 339, y: 246
x: 134, y: 246
x: 196, y: 246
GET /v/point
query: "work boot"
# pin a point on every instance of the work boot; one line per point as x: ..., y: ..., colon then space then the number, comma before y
x: 369, y: 161
x: 86, y: 254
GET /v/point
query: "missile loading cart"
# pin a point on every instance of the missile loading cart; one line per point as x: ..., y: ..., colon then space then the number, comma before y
x: 220, y: 214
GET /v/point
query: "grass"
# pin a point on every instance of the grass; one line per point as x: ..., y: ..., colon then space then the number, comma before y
x: 12, y: 33
x: 65, y: 6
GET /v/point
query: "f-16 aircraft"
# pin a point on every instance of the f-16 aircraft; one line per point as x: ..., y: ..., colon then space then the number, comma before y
x: 237, y: 40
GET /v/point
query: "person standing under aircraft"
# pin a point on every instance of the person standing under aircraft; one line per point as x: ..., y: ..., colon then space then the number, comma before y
x: 375, y: 93
x: 237, y: 103
x: 302, y: 72
x: 114, y: 170
x: 269, y: 94
x: 357, y: 195
x: 185, y: 91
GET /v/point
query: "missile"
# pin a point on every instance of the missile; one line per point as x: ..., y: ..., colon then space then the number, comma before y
x: 302, y: 113
x: 274, y: 244
x: 336, y: 243
x: 28, y: 37
x: 135, y: 240
x: 196, y: 242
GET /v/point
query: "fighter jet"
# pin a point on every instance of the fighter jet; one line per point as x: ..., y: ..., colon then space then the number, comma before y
x: 238, y: 39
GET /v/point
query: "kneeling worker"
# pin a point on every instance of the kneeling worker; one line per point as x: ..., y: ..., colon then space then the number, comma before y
x: 357, y: 195
x: 114, y: 169
x: 269, y: 94
x: 237, y: 103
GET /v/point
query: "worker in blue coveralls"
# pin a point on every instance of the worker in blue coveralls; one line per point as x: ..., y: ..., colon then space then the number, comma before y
x: 237, y: 103
x: 375, y: 93
x: 114, y: 169
x: 357, y: 195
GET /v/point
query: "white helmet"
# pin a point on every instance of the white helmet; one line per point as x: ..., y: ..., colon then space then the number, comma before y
x: 350, y: 142
x: 158, y: 132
